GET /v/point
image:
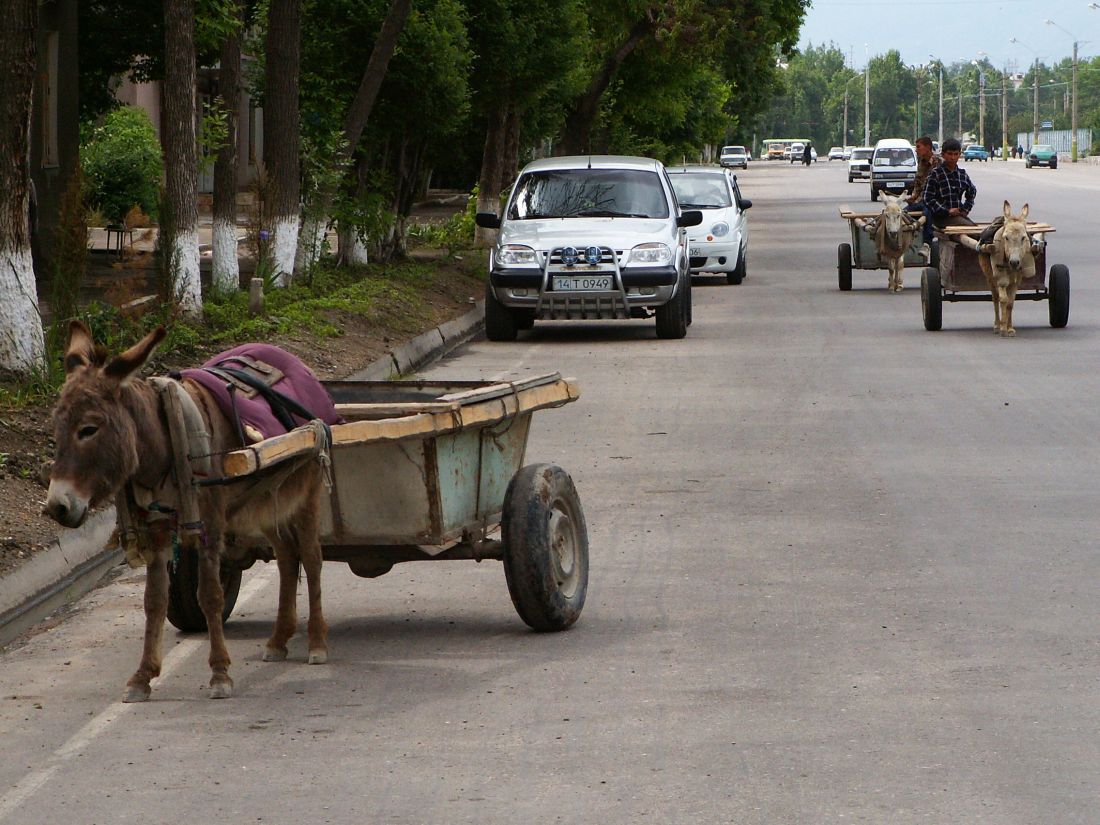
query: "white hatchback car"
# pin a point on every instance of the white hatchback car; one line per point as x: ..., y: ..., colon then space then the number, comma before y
x: 720, y: 244
x: 589, y: 237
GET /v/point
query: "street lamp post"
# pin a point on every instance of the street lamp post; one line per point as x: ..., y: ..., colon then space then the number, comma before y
x: 844, y: 138
x: 1073, y: 95
x: 1004, y: 114
x: 1035, y: 127
x: 940, y: 64
x: 981, y: 101
x: 866, y: 100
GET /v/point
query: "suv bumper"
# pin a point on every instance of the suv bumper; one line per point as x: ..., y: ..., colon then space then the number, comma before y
x: 644, y: 287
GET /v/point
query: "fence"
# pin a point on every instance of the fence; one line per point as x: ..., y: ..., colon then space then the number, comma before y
x: 1059, y: 139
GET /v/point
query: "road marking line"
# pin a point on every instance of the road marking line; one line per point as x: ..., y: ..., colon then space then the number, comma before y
x: 26, y: 787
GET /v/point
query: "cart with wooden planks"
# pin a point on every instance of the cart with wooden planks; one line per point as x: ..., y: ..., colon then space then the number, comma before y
x: 862, y: 253
x: 432, y: 471
x: 959, y: 276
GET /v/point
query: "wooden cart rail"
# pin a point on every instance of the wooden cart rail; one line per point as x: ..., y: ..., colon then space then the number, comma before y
x: 478, y: 407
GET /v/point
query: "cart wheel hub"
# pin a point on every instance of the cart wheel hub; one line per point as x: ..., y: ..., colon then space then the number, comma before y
x: 564, y: 556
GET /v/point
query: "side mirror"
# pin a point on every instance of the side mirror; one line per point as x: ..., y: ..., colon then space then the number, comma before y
x: 745, y: 204
x: 693, y: 217
x: 487, y: 220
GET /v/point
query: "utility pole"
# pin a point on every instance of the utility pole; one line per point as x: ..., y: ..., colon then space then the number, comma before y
x: 1035, y: 138
x: 941, y: 104
x: 1004, y: 113
x: 1073, y: 114
x: 867, y: 106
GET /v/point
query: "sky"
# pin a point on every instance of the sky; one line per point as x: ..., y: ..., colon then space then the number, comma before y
x: 954, y: 30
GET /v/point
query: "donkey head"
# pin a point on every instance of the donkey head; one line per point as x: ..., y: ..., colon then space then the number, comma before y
x: 892, y: 216
x: 96, y: 434
x: 1017, y: 246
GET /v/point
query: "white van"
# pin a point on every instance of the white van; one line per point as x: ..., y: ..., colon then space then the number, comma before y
x: 893, y: 167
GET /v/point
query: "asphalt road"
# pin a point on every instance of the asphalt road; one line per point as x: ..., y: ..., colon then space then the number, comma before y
x: 842, y: 570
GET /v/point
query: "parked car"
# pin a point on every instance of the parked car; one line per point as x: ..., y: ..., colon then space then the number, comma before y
x: 975, y: 151
x: 836, y: 153
x: 859, y: 164
x: 893, y: 167
x: 1042, y: 154
x: 731, y: 156
x: 720, y: 244
x: 589, y: 237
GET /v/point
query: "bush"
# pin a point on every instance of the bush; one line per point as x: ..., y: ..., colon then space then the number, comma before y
x: 122, y: 165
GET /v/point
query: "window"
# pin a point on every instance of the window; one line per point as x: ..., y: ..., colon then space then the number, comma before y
x: 589, y: 193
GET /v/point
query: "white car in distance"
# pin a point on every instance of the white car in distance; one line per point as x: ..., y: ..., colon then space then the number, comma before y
x: 859, y: 165
x: 731, y: 156
x: 720, y: 244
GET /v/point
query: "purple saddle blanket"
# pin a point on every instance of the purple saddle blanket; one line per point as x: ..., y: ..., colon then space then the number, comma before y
x: 280, y: 370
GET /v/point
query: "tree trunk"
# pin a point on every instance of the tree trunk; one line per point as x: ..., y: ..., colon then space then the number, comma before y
x: 577, y: 138
x: 225, y: 270
x: 181, y: 154
x: 510, y: 160
x: 281, y: 130
x: 22, y: 344
x: 489, y: 184
x: 353, y: 247
x: 358, y: 114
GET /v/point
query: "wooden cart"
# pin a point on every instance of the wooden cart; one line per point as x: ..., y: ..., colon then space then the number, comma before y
x: 862, y: 253
x: 959, y: 276
x: 431, y: 470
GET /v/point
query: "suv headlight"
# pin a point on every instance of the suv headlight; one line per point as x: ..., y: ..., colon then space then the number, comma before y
x: 650, y: 253
x: 720, y: 229
x: 514, y: 254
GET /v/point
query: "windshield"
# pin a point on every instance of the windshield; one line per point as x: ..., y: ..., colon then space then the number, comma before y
x: 588, y: 193
x: 733, y: 150
x: 1040, y: 147
x: 895, y: 157
x: 703, y: 191
x: 862, y: 154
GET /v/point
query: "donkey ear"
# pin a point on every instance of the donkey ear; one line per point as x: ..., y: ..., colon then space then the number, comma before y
x: 1023, y: 212
x: 81, y: 350
x: 124, y: 366
x: 1007, y: 210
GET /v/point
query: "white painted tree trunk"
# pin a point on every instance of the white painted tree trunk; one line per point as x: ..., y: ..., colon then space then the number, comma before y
x: 356, y: 253
x: 187, y: 286
x: 311, y: 243
x: 22, y: 343
x: 283, y: 247
x: 225, y: 271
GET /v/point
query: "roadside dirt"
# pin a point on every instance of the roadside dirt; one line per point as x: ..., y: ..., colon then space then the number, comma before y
x: 26, y: 442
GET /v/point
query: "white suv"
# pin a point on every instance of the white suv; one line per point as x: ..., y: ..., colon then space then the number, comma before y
x: 589, y: 237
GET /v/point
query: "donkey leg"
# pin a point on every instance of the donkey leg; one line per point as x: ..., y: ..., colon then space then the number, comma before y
x: 1010, y: 302
x: 156, y: 608
x: 309, y: 549
x: 286, y: 620
x: 996, y: 307
x: 212, y: 601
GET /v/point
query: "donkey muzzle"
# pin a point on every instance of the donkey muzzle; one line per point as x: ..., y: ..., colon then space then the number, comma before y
x: 64, y: 506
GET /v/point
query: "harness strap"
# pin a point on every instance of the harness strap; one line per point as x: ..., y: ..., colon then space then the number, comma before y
x: 283, y: 407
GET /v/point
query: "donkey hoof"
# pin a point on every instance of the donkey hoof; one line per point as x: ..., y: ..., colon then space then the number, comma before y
x: 1010, y: 333
x: 272, y: 654
x: 318, y: 657
x: 221, y: 690
x: 137, y: 693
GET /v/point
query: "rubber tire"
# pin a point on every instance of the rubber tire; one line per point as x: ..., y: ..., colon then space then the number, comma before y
x: 542, y: 513
x: 500, y: 321
x: 184, y: 611
x: 689, y: 303
x: 931, y: 299
x: 934, y: 257
x: 672, y: 316
x: 874, y: 194
x: 850, y: 179
x: 1058, y: 302
x: 844, y: 267
x: 1054, y: 164
x: 739, y: 271
x: 525, y: 318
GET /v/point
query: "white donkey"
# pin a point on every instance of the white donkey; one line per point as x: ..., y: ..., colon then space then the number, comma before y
x: 893, y: 232
x: 1008, y: 261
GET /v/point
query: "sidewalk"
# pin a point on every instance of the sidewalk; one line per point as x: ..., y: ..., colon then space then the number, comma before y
x: 77, y: 559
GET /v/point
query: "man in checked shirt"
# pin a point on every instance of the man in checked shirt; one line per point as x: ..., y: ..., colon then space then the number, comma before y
x: 949, y: 193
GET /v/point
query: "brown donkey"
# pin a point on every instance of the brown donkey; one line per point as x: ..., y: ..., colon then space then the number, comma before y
x: 110, y: 429
x: 1008, y: 261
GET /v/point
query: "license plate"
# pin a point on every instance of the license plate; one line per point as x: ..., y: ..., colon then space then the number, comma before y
x: 695, y: 252
x: 897, y: 185
x: 582, y: 283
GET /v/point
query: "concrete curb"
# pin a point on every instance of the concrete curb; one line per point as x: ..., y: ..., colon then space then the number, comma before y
x: 75, y: 560
x: 424, y: 348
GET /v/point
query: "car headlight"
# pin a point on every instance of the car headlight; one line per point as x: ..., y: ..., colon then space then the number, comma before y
x: 650, y: 253
x: 516, y: 255
x: 720, y: 229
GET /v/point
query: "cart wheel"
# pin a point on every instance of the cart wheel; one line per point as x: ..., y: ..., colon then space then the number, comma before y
x: 1058, y: 286
x: 931, y: 299
x: 184, y: 611
x: 934, y: 255
x: 500, y: 321
x: 844, y: 266
x: 545, y: 547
